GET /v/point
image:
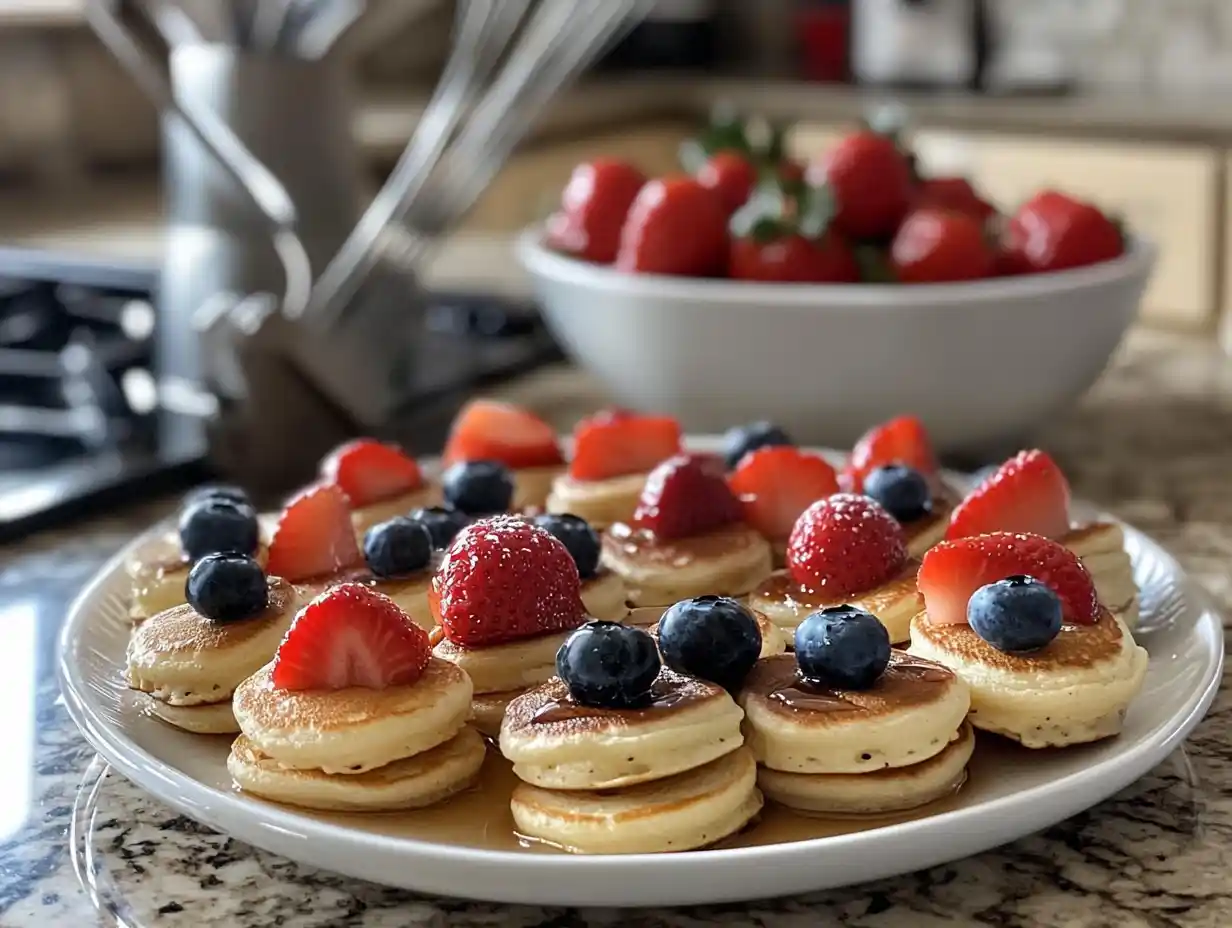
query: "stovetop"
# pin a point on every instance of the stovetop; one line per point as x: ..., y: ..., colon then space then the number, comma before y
x: 80, y: 422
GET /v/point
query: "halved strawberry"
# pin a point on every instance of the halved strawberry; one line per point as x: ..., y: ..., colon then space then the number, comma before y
x: 504, y: 579
x: 351, y: 635
x: 687, y: 495
x: 776, y: 484
x: 1027, y: 494
x: 845, y: 544
x: 614, y: 443
x: 370, y: 471
x: 902, y: 440
x: 314, y: 536
x: 488, y: 430
x: 953, y: 570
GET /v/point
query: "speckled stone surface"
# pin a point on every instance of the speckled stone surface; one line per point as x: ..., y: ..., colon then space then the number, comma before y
x: 1152, y: 443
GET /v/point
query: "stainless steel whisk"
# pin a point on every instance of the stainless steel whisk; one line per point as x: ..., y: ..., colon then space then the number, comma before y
x: 451, y: 158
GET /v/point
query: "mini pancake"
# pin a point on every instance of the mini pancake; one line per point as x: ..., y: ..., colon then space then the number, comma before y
x: 532, y: 486
x: 488, y: 711
x: 515, y: 665
x: 159, y: 570
x: 1101, y: 548
x: 559, y: 744
x: 894, y: 603
x: 208, y: 719
x: 1073, y: 690
x: 603, y: 595
x: 894, y: 789
x: 599, y: 502
x: 772, y: 640
x: 365, y: 517
x: 729, y: 561
x: 185, y: 660
x: 410, y: 783
x: 356, y: 729
x: 680, y: 813
x: 794, y: 725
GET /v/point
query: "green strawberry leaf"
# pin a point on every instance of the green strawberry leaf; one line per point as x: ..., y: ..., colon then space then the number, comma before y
x: 692, y: 155
x: 816, y: 208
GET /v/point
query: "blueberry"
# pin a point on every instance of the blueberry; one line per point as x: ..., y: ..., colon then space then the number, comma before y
x: 227, y: 587
x: 218, y: 526
x: 712, y: 637
x: 740, y: 440
x: 902, y: 492
x: 577, y: 535
x: 608, y: 666
x: 843, y: 646
x: 478, y: 488
x: 225, y: 491
x: 398, y: 547
x: 1015, y: 614
x: 442, y: 522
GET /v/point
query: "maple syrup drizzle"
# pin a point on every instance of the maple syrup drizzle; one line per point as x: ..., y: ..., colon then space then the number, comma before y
x: 663, y: 695
x: 480, y: 816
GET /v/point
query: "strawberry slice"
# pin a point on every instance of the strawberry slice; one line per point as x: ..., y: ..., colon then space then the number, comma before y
x: 351, y: 636
x: 776, y: 484
x: 314, y: 536
x: 488, y: 430
x: 845, y: 544
x: 1028, y: 493
x: 615, y: 442
x: 687, y: 495
x: 370, y: 471
x: 953, y: 570
x: 504, y: 579
x: 903, y: 440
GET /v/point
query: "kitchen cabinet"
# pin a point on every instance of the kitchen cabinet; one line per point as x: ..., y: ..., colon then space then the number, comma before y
x: 1170, y: 192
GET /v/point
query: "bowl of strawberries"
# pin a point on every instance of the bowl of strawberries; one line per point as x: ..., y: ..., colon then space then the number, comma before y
x: 833, y: 293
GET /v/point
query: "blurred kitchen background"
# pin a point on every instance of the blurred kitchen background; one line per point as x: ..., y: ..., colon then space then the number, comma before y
x: 1126, y: 102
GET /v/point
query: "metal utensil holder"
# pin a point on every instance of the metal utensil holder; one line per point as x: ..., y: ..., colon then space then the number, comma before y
x: 295, y: 117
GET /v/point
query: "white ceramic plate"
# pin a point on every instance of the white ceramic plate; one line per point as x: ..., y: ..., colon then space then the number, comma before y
x: 1008, y: 796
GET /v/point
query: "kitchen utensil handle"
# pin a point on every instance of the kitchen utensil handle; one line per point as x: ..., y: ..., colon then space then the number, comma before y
x: 483, y: 29
x: 265, y: 192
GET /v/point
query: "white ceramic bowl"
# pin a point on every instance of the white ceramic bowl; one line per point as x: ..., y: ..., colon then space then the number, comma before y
x: 981, y: 363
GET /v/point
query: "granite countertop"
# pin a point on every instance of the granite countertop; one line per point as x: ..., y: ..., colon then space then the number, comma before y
x: 1152, y: 443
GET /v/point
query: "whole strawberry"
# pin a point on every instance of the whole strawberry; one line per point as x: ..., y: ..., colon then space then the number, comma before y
x: 871, y: 180
x: 675, y: 226
x: 505, y: 579
x: 953, y: 194
x: 687, y: 495
x: 845, y: 544
x: 593, y: 208
x: 784, y: 235
x: 1055, y: 232
x: 731, y: 175
x: 940, y: 246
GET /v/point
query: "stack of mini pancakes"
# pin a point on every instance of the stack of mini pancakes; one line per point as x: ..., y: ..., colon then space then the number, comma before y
x: 500, y: 672
x: 357, y: 749
x: 188, y: 665
x: 897, y: 745
x: 671, y: 776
